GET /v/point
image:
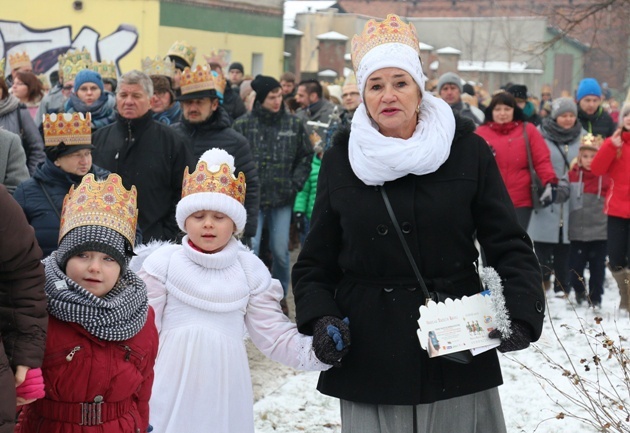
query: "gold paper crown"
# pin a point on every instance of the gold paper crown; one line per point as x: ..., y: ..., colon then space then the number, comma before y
x: 158, y: 66
x: 106, y: 69
x: 101, y: 203
x: 390, y: 30
x: 43, y: 78
x: 75, y: 56
x: 351, y: 79
x: 70, y: 69
x: 221, y: 181
x: 2, y: 63
x: 590, y: 141
x: 219, y: 57
x: 71, y: 128
x: 19, y: 60
x: 183, y: 50
x: 200, y: 79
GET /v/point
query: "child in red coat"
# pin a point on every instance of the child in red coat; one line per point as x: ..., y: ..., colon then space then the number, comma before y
x: 614, y: 159
x: 102, y: 340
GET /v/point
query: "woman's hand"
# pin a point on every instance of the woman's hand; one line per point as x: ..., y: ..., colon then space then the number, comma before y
x: 331, y: 339
x: 616, y: 138
x: 519, y: 340
x: 549, y: 194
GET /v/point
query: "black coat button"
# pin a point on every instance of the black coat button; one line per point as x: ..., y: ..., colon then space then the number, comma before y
x: 388, y: 290
x: 382, y: 229
x: 539, y: 306
x: 406, y: 227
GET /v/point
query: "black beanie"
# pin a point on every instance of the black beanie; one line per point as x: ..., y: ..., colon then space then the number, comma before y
x: 238, y: 66
x: 262, y: 85
x: 519, y: 91
x: 94, y: 238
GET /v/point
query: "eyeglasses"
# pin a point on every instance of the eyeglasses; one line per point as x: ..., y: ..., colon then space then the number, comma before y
x: 68, y: 87
x: 345, y: 95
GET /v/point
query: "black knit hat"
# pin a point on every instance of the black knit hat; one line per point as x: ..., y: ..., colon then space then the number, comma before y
x: 238, y: 66
x: 262, y: 85
x: 519, y: 91
x: 94, y: 238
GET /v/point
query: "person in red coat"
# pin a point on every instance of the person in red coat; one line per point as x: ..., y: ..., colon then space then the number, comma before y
x: 505, y: 131
x: 613, y: 159
x: 102, y: 340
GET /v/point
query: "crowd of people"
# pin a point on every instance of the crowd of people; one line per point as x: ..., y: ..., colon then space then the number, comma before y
x: 147, y: 226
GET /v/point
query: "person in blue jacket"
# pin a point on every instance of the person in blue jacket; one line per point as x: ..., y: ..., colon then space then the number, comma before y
x: 69, y: 158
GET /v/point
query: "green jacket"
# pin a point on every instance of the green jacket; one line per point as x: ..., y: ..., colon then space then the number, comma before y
x: 305, y: 199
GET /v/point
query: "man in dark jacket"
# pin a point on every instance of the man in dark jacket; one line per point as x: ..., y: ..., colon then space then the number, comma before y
x: 283, y: 153
x: 450, y: 90
x: 207, y: 125
x: 591, y: 115
x: 147, y: 154
x: 314, y: 107
x: 23, y: 317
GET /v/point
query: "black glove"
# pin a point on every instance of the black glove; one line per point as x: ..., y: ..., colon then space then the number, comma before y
x: 519, y: 340
x: 298, y: 219
x: 549, y: 194
x: 331, y: 339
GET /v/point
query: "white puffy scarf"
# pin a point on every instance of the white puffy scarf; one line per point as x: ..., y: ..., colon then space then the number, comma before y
x: 376, y: 159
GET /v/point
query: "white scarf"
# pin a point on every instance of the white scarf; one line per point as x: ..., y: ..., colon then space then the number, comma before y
x: 376, y: 159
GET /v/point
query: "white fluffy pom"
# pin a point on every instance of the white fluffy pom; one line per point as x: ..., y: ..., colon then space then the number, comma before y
x: 215, y: 157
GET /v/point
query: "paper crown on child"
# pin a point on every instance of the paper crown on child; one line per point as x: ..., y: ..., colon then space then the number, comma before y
x: 70, y: 128
x: 200, y: 82
x: 20, y: 60
x: 184, y: 51
x: 592, y: 142
x: 106, y: 69
x: 75, y: 56
x: 70, y: 69
x: 388, y: 43
x: 213, y: 186
x: 158, y: 66
x: 101, y: 203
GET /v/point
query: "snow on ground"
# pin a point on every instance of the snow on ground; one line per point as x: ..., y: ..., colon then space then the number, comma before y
x: 287, y: 401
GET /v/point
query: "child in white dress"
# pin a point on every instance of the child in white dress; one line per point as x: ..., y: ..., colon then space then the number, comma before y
x: 207, y: 293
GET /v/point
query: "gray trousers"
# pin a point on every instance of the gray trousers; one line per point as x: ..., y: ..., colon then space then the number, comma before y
x: 474, y: 413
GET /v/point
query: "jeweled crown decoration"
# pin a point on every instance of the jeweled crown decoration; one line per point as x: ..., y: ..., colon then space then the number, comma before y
x: 101, y: 203
x: 20, y: 60
x: 390, y: 30
x: 220, y: 57
x: 75, y: 56
x: 70, y: 128
x: 221, y: 181
x: 590, y: 141
x: 198, y: 79
x: 158, y: 66
x: 106, y: 69
x: 70, y: 69
x: 2, y: 65
x: 183, y: 50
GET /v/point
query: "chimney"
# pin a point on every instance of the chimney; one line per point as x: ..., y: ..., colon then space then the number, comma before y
x: 449, y: 59
x: 332, y: 49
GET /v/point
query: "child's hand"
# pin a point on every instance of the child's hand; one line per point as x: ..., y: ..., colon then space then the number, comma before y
x: 331, y: 339
x: 31, y: 386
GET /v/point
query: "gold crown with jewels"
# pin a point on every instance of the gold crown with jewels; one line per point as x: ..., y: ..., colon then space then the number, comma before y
x: 590, y: 141
x: 200, y: 78
x: 75, y: 56
x: 20, y: 60
x: 390, y: 30
x: 70, y: 128
x: 158, y: 66
x: 70, y: 69
x: 105, y: 69
x: 101, y: 203
x: 183, y: 50
x: 221, y: 181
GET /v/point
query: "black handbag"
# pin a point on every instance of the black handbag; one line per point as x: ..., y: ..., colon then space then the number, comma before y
x: 537, y: 187
x: 463, y: 357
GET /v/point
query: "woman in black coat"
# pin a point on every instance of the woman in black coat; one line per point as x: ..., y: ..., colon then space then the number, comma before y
x: 444, y: 186
x: 41, y: 197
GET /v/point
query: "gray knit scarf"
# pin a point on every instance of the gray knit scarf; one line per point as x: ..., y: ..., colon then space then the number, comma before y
x: 8, y: 105
x: 117, y: 316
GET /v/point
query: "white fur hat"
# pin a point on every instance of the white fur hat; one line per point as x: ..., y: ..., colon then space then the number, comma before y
x: 213, y: 186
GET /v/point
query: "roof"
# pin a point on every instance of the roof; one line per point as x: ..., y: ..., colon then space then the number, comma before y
x: 292, y: 8
x: 492, y: 66
x: 448, y: 50
x: 332, y: 36
x: 292, y: 31
x: 426, y: 47
x: 327, y: 73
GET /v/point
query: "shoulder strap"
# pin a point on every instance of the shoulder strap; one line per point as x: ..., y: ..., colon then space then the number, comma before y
x: 52, y: 204
x: 566, y: 161
x: 530, y: 161
x: 416, y: 271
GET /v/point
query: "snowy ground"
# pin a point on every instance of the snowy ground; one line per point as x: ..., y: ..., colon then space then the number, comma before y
x: 287, y: 401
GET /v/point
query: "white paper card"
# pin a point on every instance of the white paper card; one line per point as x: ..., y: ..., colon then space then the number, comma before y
x: 456, y: 325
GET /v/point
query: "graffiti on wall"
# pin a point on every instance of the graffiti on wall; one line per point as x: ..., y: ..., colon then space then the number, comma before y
x: 45, y: 45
